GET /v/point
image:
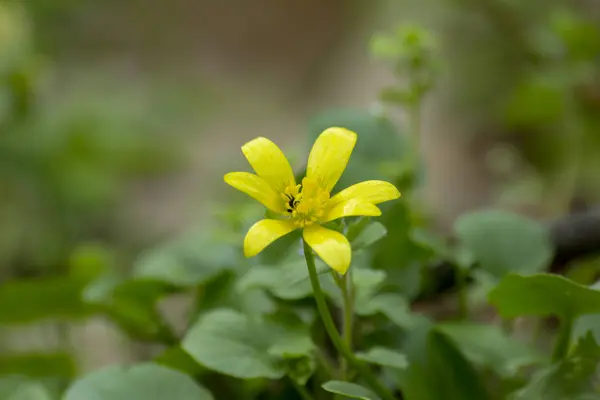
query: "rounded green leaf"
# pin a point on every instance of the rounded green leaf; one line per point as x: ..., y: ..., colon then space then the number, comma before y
x: 384, y: 357
x: 351, y: 390
x: 503, y: 242
x: 543, y: 294
x: 245, y: 347
x: 143, y: 381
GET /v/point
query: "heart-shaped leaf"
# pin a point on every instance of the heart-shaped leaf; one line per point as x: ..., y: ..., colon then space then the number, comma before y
x: 503, y: 242
x: 244, y: 347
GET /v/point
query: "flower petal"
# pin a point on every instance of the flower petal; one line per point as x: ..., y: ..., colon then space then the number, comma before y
x: 331, y: 246
x: 265, y: 232
x: 269, y: 162
x: 372, y: 191
x: 329, y: 156
x: 257, y: 188
x: 351, y: 208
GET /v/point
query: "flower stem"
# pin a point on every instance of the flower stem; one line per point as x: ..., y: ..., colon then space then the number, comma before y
x: 337, y: 341
x: 563, y: 340
x: 346, y: 288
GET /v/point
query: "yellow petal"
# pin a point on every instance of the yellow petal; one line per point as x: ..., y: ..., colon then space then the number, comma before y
x: 329, y: 156
x: 269, y: 162
x: 265, y: 232
x: 331, y: 246
x: 372, y: 191
x: 351, y: 208
x: 257, y: 188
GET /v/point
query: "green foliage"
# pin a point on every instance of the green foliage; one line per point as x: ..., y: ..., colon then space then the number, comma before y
x: 15, y: 388
x: 253, y: 330
x: 384, y: 357
x: 244, y: 347
x: 575, y: 377
x: 350, y: 390
x: 432, y: 355
x: 142, y: 381
x: 543, y: 295
x: 503, y: 242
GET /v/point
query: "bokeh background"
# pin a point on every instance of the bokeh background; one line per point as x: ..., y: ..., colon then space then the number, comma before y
x: 118, y: 120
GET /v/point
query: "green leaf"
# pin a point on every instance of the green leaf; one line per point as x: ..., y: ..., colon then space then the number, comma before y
x: 38, y: 365
x: 503, y: 242
x: 351, y: 390
x: 393, y: 306
x: 243, y: 347
x: 18, y: 388
x: 142, y: 381
x: 369, y: 235
x: 131, y: 304
x: 178, y: 359
x: 488, y: 346
x: 188, y: 261
x: 587, y: 323
x: 384, y: 357
x: 542, y: 295
x: 288, y: 281
x: 438, y: 370
x: 43, y: 298
x: 378, y: 142
x: 574, y: 378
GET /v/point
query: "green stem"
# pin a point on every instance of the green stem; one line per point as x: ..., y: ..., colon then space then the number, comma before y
x: 563, y: 340
x: 346, y: 287
x: 304, y: 393
x: 337, y: 341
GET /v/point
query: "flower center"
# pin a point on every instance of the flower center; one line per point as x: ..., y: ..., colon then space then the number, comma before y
x: 306, y: 202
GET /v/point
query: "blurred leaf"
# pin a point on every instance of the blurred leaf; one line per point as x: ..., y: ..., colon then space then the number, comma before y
x: 288, y: 281
x: 489, y: 346
x: 431, y: 241
x: 369, y: 235
x: 378, y: 142
x: 393, y: 306
x: 18, y: 388
x: 580, y: 37
x: 397, y: 253
x: 437, y: 360
x: 301, y: 369
x: 503, y: 242
x: 131, y: 304
x: 38, y: 365
x: 142, y: 381
x: 178, y: 359
x: 536, y: 102
x: 44, y: 298
x: 574, y: 378
x: 587, y: 323
x: 188, y: 261
x: 89, y: 261
x: 543, y: 295
x: 234, y: 344
x: 384, y: 357
x: 351, y: 390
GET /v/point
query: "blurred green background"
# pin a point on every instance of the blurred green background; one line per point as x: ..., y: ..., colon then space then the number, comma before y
x: 118, y: 120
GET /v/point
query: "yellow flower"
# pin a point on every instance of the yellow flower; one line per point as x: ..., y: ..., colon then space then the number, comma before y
x: 308, y: 205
